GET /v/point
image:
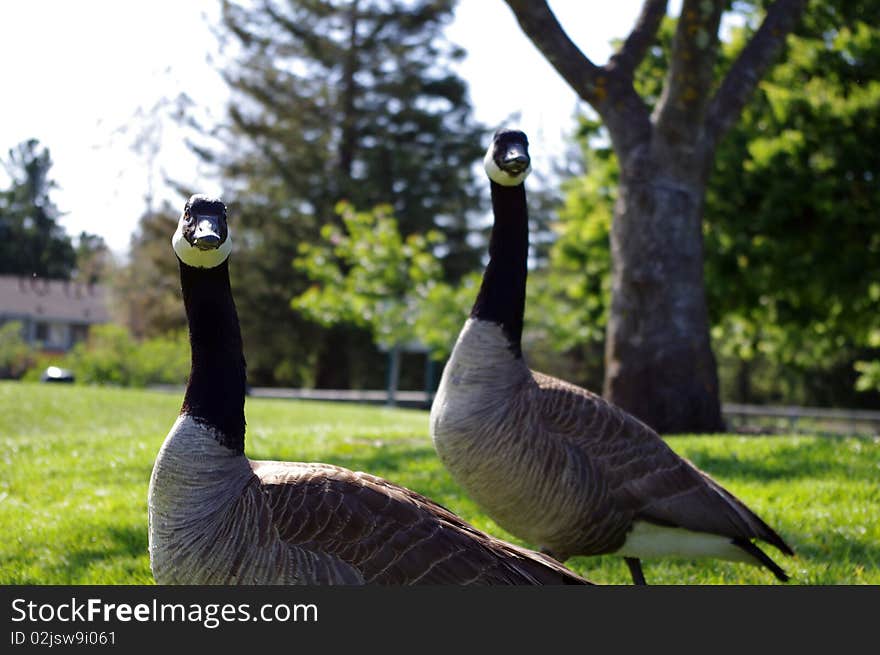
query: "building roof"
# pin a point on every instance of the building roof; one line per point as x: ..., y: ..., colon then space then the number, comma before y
x: 60, y: 300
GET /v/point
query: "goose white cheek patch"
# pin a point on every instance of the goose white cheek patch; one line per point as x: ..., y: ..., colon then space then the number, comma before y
x: 500, y: 176
x: 196, y: 257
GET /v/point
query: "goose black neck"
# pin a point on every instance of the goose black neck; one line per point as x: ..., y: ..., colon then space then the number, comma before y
x: 216, y: 388
x: 502, y: 296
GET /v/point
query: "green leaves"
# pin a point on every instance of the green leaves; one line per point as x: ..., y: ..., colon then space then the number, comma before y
x: 15, y: 353
x: 567, y: 302
x: 869, y: 372
x: 790, y: 220
x: 441, y: 312
x: 367, y: 274
x: 112, y: 356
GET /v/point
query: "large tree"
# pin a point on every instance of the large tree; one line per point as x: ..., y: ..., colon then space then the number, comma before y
x: 790, y: 235
x: 659, y: 360
x: 338, y: 100
x: 32, y: 242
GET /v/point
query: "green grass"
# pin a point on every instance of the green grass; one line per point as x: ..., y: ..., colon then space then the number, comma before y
x: 76, y: 464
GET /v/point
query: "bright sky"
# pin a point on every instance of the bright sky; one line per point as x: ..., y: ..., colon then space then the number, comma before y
x: 77, y: 74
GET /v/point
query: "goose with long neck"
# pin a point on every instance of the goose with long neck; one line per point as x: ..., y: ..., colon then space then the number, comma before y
x: 216, y: 517
x: 551, y: 462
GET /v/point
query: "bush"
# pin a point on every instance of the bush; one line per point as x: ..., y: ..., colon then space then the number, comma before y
x: 869, y: 376
x: 16, y: 356
x: 112, y: 356
x: 161, y: 360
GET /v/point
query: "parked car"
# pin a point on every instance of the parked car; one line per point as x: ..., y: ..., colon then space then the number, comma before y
x: 56, y: 374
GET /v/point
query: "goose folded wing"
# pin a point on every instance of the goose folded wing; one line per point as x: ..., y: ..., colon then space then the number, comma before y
x: 640, y: 471
x: 391, y: 535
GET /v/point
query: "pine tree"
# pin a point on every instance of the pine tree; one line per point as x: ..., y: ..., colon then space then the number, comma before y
x: 31, y: 240
x: 342, y: 100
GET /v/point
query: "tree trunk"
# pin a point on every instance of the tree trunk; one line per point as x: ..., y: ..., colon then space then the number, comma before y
x: 659, y: 361
x: 348, y: 131
x: 744, y: 381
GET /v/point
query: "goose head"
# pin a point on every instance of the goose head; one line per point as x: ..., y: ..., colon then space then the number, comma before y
x: 202, y: 236
x: 507, y: 160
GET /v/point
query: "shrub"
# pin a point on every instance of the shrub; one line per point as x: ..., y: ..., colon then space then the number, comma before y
x: 16, y: 356
x: 112, y: 356
x: 161, y: 360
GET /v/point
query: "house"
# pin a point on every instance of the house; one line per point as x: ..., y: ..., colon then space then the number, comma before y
x: 55, y: 314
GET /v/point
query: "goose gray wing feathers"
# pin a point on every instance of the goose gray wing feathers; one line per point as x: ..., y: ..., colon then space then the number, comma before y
x: 388, y: 534
x: 634, y: 469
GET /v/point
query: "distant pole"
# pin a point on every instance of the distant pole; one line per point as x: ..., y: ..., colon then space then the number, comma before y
x: 429, y: 378
x: 393, y: 374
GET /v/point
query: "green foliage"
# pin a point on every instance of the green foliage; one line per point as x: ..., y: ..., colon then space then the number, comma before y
x: 74, y: 484
x: 112, y: 356
x: 790, y: 230
x: 570, y: 300
x: 869, y: 376
x: 161, y: 360
x: 869, y: 371
x: 15, y: 353
x: 443, y: 309
x: 106, y: 358
x: 31, y: 240
x: 368, y: 275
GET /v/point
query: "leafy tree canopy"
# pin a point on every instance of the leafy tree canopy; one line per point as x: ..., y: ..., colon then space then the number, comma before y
x: 368, y: 275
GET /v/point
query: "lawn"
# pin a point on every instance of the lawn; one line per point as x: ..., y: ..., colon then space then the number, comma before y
x: 76, y: 465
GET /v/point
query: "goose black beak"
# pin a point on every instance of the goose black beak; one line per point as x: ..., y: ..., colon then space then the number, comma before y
x: 207, y: 233
x: 514, y: 160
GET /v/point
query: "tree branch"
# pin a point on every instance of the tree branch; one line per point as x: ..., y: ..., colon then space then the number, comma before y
x: 608, y: 91
x: 540, y: 25
x: 691, y: 63
x: 633, y: 50
x: 750, y: 66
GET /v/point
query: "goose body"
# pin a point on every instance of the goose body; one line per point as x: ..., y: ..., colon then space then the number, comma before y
x: 553, y: 463
x: 217, y: 517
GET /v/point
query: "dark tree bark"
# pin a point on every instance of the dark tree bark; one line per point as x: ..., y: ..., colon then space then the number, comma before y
x: 348, y: 139
x: 659, y: 363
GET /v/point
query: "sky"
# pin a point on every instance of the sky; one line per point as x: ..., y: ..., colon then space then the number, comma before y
x: 80, y: 77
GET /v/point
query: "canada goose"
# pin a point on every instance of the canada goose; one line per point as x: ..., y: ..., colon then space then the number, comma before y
x: 555, y: 464
x: 216, y: 517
